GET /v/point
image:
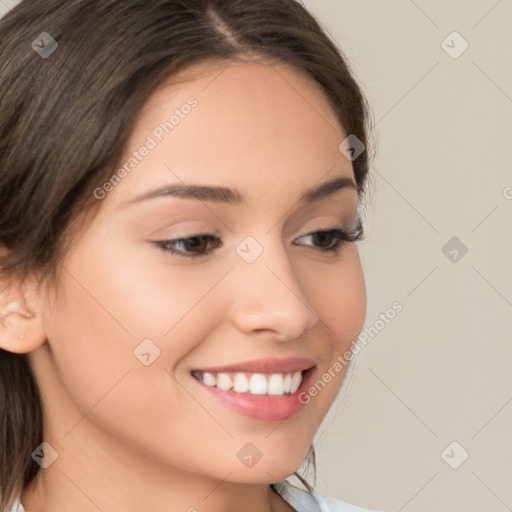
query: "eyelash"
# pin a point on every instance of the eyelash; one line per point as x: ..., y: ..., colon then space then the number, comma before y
x: 341, y: 236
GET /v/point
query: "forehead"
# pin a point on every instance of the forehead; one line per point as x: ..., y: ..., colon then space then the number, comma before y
x: 237, y: 123
x: 234, y: 80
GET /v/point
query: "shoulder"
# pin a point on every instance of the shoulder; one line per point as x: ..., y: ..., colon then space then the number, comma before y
x: 303, y: 501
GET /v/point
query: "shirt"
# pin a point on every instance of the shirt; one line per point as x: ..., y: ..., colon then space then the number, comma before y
x: 301, y: 501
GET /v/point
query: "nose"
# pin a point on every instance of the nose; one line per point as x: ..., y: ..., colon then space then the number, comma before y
x: 269, y: 298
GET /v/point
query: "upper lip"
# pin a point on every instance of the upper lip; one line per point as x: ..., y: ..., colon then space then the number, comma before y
x: 291, y: 364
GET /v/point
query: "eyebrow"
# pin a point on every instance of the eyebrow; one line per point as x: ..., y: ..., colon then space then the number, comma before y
x: 234, y: 197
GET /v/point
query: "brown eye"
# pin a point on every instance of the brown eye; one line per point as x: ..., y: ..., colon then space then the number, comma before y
x: 191, y: 247
x: 324, y: 239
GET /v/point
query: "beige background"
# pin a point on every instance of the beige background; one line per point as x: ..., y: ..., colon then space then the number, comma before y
x: 440, y: 370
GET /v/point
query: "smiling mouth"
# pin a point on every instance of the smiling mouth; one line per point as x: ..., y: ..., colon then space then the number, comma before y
x: 269, y: 384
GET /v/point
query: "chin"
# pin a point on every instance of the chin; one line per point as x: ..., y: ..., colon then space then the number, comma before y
x: 280, y: 466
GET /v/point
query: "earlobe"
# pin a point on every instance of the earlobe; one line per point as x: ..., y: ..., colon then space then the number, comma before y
x: 20, y: 326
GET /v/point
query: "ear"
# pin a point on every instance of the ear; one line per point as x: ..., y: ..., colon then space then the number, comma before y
x: 21, y: 328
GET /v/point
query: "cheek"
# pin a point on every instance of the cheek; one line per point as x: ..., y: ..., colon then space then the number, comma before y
x: 338, y: 295
x: 90, y: 348
x: 340, y: 300
x: 134, y: 299
x: 107, y: 308
x: 97, y: 380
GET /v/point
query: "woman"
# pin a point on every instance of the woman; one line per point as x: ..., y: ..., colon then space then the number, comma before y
x: 181, y: 183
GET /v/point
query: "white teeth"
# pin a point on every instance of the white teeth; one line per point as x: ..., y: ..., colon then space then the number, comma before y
x: 296, y: 380
x: 209, y: 379
x: 287, y: 383
x: 224, y: 382
x: 241, y: 383
x: 276, y: 384
x: 258, y: 384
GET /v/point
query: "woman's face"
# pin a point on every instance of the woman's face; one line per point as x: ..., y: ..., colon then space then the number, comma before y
x: 134, y: 321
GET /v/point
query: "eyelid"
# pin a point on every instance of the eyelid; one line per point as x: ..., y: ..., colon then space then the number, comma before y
x: 341, y: 237
x: 185, y: 233
x: 214, y: 232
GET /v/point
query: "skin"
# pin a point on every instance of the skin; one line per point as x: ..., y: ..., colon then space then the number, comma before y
x: 133, y: 437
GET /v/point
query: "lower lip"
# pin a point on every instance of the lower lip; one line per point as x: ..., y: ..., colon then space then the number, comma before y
x: 262, y: 407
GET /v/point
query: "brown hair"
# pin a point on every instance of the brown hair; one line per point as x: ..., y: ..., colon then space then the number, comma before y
x: 65, y: 121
